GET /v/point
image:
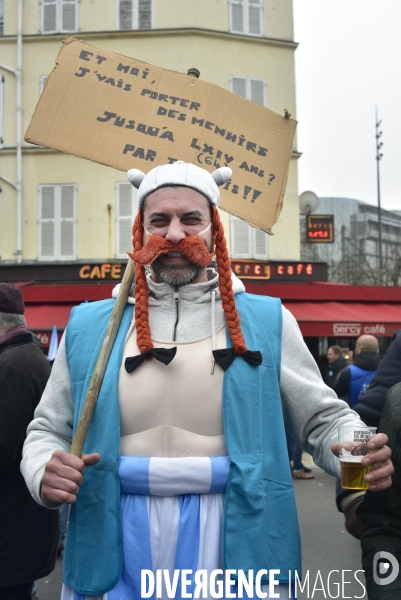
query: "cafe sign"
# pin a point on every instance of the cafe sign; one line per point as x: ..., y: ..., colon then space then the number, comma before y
x: 105, y: 271
x: 112, y: 272
x: 357, y: 329
x: 320, y: 229
x: 279, y: 270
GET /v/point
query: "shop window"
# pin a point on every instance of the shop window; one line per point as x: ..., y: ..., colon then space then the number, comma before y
x: 59, y: 16
x: 127, y: 206
x: 246, y: 16
x: 246, y: 241
x: 134, y: 14
x: 57, y: 222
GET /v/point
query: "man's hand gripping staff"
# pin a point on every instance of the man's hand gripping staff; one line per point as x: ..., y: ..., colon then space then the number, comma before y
x: 63, y: 476
x: 65, y: 471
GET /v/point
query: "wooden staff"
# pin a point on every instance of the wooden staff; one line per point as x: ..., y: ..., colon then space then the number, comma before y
x: 101, y: 363
x: 105, y: 351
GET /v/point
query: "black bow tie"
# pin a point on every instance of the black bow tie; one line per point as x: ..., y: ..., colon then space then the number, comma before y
x: 164, y: 355
x: 226, y: 356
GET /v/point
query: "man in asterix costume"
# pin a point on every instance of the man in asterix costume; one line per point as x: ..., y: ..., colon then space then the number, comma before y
x: 201, y: 379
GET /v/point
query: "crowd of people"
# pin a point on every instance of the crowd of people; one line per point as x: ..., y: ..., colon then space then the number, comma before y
x: 185, y: 465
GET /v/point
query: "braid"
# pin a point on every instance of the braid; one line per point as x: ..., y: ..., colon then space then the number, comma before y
x: 226, y: 286
x: 144, y: 341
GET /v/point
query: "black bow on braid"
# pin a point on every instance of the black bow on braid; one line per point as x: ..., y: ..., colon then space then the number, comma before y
x: 164, y: 355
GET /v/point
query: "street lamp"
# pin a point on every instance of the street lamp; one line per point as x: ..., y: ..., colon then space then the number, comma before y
x: 379, y: 156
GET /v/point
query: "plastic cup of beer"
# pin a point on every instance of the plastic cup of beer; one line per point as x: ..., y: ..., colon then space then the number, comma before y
x: 353, y: 447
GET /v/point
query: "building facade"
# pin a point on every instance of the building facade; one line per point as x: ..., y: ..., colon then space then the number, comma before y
x: 353, y: 257
x: 58, y: 208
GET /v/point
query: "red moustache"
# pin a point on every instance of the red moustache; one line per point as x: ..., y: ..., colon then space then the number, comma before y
x: 192, y: 246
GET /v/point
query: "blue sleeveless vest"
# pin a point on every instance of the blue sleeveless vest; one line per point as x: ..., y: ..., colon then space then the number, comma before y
x: 260, y: 522
x: 360, y: 379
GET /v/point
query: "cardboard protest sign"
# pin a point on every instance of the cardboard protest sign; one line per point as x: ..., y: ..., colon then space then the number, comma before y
x: 126, y: 114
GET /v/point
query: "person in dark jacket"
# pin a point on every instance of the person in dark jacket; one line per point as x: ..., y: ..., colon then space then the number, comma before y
x: 28, y: 532
x: 336, y: 363
x: 354, y: 380
x: 369, y: 409
x: 388, y: 374
x: 381, y: 515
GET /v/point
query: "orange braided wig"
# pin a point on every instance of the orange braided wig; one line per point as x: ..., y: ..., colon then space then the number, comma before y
x: 144, y: 341
x: 143, y: 338
x: 226, y: 285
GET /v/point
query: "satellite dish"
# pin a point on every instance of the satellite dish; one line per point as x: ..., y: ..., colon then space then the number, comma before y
x: 308, y: 202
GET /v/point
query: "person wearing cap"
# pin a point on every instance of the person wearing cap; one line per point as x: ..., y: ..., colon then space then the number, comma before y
x: 187, y: 453
x: 28, y: 532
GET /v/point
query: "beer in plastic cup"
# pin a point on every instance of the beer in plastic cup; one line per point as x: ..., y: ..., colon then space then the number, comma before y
x: 353, y: 447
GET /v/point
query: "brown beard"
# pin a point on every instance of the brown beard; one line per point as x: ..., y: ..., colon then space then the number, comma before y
x: 192, y: 246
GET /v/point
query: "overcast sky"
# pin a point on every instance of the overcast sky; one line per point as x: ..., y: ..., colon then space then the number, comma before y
x: 348, y: 60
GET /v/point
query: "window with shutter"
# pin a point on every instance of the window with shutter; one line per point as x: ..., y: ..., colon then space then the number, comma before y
x: 46, y: 222
x: 257, y: 91
x: 57, y: 222
x: 247, y: 242
x: 1, y: 109
x: 135, y: 14
x: 68, y: 9
x: 126, y: 210
x: 238, y: 86
x: 246, y: 16
x: 255, y: 17
x: 237, y: 16
x: 67, y: 222
x: 240, y: 238
x: 144, y: 14
x: 67, y: 240
x: 250, y: 88
x: 49, y: 16
x: 260, y: 244
x: 59, y: 16
x: 125, y: 14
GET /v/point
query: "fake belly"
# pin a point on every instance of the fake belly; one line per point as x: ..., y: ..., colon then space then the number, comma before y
x: 173, y: 411
x: 171, y: 442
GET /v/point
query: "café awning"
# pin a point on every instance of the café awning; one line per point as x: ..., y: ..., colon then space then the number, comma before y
x: 346, y: 319
x: 42, y: 317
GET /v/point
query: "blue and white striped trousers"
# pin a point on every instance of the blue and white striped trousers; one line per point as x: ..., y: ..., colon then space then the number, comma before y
x: 172, y: 518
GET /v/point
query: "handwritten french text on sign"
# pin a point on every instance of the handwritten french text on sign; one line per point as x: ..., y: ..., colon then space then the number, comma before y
x: 128, y: 114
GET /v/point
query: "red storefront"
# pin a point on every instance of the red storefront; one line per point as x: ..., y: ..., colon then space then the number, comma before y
x: 323, y: 310
x: 336, y: 310
x: 333, y: 313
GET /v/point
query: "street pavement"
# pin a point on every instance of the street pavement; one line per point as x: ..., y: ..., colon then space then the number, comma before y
x: 326, y: 546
